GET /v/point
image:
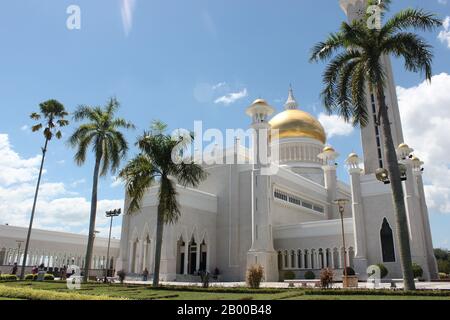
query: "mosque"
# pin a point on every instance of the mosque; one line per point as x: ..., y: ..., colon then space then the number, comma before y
x: 289, y: 221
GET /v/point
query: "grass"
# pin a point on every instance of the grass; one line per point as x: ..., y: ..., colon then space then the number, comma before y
x: 58, y: 291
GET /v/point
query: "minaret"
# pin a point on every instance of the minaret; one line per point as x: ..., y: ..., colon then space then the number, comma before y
x: 291, y: 103
x: 360, y: 260
x: 262, y: 251
x: 418, y: 171
x: 371, y: 135
x: 329, y: 156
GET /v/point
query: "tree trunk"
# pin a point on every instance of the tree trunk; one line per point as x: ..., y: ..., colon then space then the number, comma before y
x: 22, y: 272
x: 91, y: 238
x: 397, y: 193
x: 158, y: 246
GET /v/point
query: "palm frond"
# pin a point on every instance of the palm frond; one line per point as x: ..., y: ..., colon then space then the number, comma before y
x: 358, y: 89
x: 139, y: 175
x: 36, y: 127
x: 413, y: 49
x: 417, y: 19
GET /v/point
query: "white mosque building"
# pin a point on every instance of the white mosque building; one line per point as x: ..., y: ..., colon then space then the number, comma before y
x: 288, y: 220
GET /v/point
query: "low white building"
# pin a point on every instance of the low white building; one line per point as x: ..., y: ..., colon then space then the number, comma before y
x: 53, y: 249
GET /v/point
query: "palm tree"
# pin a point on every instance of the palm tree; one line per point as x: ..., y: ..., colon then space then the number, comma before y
x: 110, y: 147
x: 53, y: 114
x: 357, y: 66
x: 155, y: 164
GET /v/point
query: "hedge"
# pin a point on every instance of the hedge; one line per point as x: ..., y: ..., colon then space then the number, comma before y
x: 213, y: 289
x: 33, y: 277
x: 8, y: 277
x: 33, y: 294
x: 365, y: 292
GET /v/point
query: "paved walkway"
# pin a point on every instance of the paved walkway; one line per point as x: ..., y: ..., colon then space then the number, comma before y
x: 419, y: 285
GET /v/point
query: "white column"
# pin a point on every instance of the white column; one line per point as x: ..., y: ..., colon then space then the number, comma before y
x: 207, y: 258
x: 144, y: 255
x: 340, y: 264
x: 197, y: 264
x: 186, y: 257
x: 137, y: 263
x: 130, y: 256
x: 296, y: 266
x: 308, y: 259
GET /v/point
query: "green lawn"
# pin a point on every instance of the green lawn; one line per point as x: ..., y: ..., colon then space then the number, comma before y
x: 139, y: 292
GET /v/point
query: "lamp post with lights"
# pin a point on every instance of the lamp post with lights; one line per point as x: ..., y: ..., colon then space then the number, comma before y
x: 341, y: 204
x: 110, y: 214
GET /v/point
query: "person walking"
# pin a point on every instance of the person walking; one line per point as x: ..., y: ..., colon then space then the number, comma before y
x: 14, y: 269
x: 64, y: 273
x: 145, y: 274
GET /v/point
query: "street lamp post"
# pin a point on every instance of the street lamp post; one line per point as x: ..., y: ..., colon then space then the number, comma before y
x: 110, y: 214
x: 341, y: 204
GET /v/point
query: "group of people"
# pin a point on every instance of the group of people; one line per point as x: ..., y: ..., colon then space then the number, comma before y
x: 41, y: 267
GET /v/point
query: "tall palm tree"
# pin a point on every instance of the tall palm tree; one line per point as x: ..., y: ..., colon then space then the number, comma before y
x: 356, y: 67
x: 52, y: 112
x: 154, y: 164
x: 109, y: 146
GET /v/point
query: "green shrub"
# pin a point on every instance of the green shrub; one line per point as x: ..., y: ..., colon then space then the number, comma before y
x: 255, y: 275
x: 383, y: 270
x: 309, y: 275
x: 32, y: 277
x: 121, y: 274
x: 49, y: 277
x: 289, y: 275
x: 381, y: 292
x: 350, y: 272
x: 8, y: 277
x: 443, y: 276
x: 326, y: 278
x: 417, y: 270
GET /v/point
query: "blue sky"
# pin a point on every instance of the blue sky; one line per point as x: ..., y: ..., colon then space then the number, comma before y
x: 173, y: 61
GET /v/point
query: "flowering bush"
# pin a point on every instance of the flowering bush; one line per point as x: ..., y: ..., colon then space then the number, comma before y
x: 326, y: 278
x: 255, y: 275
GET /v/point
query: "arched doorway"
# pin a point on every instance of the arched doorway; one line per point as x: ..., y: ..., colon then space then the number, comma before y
x: 180, y: 255
x: 203, y: 256
x: 387, y: 242
x: 192, y: 265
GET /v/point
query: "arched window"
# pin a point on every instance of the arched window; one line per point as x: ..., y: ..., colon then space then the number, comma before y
x: 387, y: 242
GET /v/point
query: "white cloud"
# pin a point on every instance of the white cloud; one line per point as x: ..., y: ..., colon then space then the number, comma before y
x: 444, y: 34
x: 24, y: 128
x: 78, y: 182
x: 425, y: 114
x: 443, y: 1
x: 57, y: 209
x: 116, y: 182
x: 13, y: 169
x: 335, y: 125
x: 219, y: 85
x: 127, y: 10
x: 232, y: 97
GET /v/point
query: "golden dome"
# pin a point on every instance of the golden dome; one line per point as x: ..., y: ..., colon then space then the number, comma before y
x: 298, y: 124
x: 326, y: 149
x: 403, y: 145
x: 353, y: 155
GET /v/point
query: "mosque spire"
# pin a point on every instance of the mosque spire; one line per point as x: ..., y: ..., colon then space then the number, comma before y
x: 291, y: 103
